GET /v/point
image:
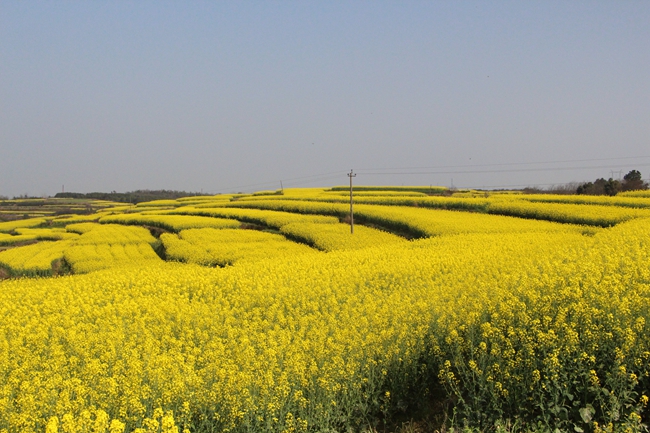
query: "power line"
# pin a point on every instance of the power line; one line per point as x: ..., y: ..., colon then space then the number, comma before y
x: 512, y: 170
x: 521, y: 185
x: 290, y: 181
x: 507, y: 164
x: 447, y: 169
x: 314, y: 179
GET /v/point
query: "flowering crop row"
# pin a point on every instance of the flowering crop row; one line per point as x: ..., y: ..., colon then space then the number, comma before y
x: 204, y: 198
x: 111, y: 234
x: 9, y: 226
x: 423, y: 189
x: 269, y: 218
x: 558, y: 208
x: 66, y: 220
x: 173, y: 223
x: 364, y: 193
x: 602, y: 200
x: 82, y: 227
x: 31, y: 213
x: 210, y: 247
x: 103, y: 246
x: 333, y: 237
x: 47, y: 234
x: 417, y: 221
x: 6, y: 239
x: 92, y: 257
x: 478, y: 204
x: 594, y: 215
x: 640, y: 193
x: 158, y: 203
x: 33, y: 260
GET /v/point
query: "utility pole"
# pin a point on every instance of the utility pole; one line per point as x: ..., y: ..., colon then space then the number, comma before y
x: 351, y: 174
x: 620, y: 173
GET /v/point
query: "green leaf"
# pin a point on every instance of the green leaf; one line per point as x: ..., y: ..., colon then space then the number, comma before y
x: 586, y: 413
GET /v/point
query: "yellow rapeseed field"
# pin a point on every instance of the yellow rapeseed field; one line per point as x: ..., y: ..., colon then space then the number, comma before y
x: 497, y: 320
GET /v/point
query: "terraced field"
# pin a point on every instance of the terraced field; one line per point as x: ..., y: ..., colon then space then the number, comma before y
x: 262, y: 312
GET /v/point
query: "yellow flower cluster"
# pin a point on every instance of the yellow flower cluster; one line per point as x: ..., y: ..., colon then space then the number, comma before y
x: 47, y: 234
x: 173, y: 223
x: 333, y: 237
x: 267, y: 218
x: 98, y: 422
x: 639, y: 193
x: 102, y: 246
x: 9, y: 226
x: 158, y: 203
x: 31, y: 213
x: 33, y: 259
x: 90, y: 257
x: 6, y: 239
x: 204, y: 198
x: 479, y: 203
x: 183, y: 201
x: 211, y: 247
x: 622, y: 200
x: 596, y: 215
x: 64, y: 221
x: 111, y: 234
x: 364, y: 193
x: 81, y: 227
x: 388, y: 189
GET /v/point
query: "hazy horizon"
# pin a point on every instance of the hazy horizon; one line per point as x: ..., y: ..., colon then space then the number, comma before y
x: 241, y: 96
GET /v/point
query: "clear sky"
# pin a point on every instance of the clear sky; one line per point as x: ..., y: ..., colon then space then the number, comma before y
x: 240, y: 95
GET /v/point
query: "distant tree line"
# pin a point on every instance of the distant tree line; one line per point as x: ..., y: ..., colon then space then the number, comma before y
x: 631, y: 181
x: 134, y: 197
x: 24, y: 196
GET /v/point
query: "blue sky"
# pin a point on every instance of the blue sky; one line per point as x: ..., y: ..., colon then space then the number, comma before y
x: 238, y: 96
